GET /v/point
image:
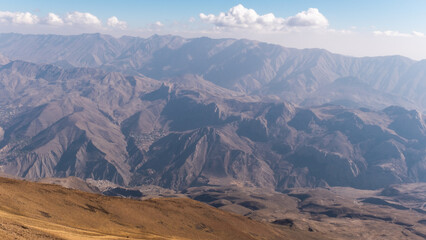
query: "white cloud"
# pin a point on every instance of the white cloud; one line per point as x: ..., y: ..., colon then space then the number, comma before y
x: 158, y: 24
x: 53, y: 19
x: 26, y: 18
x: 241, y: 17
x: 390, y: 33
x: 115, y: 23
x: 310, y: 18
x: 79, y: 18
x: 71, y: 22
x: 18, y: 17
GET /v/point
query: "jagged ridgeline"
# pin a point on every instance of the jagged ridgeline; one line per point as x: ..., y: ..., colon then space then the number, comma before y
x: 181, y: 112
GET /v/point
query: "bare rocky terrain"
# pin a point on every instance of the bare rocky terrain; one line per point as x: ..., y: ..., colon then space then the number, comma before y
x: 396, y: 212
x: 134, y: 130
x: 303, y: 138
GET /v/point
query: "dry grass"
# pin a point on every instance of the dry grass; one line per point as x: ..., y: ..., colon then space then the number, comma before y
x: 42, y: 211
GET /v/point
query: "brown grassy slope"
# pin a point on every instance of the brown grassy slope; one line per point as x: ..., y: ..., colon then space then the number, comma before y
x: 41, y: 211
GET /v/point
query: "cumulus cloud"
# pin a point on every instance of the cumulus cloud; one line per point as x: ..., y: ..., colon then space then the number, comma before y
x: 79, y: 18
x: 390, y: 33
x: 71, y: 20
x: 53, y: 19
x: 310, y: 18
x: 18, y: 17
x: 115, y: 23
x: 241, y: 17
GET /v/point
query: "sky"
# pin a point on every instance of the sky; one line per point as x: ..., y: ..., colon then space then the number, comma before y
x: 356, y: 28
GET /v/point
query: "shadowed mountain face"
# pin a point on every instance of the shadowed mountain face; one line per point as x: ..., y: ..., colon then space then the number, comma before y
x: 193, y: 130
x: 309, y: 77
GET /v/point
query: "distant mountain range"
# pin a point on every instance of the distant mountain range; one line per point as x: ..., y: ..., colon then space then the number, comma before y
x: 306, y: 77
x: 178, y: 113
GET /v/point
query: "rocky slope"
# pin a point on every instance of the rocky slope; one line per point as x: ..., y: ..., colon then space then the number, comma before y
x: 187, y: 131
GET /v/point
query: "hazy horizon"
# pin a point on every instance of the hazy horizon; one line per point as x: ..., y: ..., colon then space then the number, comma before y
x: 381, y: 28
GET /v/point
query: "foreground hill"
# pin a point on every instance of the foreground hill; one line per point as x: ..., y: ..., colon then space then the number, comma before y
x: 396, y: 212
x: 40, y: 211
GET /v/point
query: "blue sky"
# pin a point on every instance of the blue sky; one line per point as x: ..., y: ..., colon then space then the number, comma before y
x: 405, y: 15
x: 359, y: 28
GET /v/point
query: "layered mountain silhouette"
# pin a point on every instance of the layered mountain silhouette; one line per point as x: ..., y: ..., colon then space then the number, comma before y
x: 302, y: 76
x: 180, y: 113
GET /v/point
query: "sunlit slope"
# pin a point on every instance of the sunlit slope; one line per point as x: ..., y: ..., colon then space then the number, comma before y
x: 40, y: 211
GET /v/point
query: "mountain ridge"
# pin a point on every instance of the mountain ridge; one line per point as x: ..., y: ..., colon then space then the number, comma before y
x: 187, y: 131
x: 251, y: 67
